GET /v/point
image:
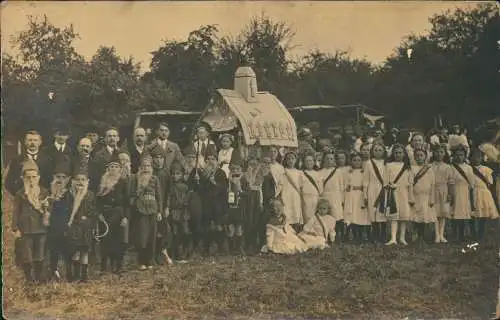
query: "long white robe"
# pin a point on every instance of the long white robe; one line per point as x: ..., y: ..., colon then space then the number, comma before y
x: 283, y: 239
x: 317, y: 231
x: 334, y: 188
x: 292, y: 197
x: 372, y: 188
x: 311, y: 192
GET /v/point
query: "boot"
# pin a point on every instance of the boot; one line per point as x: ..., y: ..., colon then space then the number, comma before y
x: 38, y: 268
x: 70, y: 277
x: 239, y: 243
x: 104, y: 264
x: 84, y: 276
x: 27, y: 268
x: 383, y: 232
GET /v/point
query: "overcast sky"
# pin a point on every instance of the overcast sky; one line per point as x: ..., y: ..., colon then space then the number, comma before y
x: 370, y: 30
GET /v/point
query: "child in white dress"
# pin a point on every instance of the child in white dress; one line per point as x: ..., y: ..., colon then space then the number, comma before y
x: 399, y: 194
x: 484, y: 202
x: 311, y: 187
x: 226, y: 152
x: 463, y: 192
x: 319, y: 230
x: 443, y: 173
x: 424, y: 194
x: 291, y: 193
x: 281, y: 238
x: 355, y: 213
x: 374, y: 179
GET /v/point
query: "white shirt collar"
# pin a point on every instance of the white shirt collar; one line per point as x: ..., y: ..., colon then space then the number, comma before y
x: 60, y: 147
x: 139, y: 148
x: 110, y: 149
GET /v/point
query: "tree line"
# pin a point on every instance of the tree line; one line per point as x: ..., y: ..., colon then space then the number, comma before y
x: 452, y: 71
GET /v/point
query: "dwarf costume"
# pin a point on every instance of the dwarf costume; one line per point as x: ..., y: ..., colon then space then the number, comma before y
x: 192, y: 174
x: 237, y: 194
x: 160, y: 170
x: 81, y: 222
x: 61, y: 206
x: 146, y: 202
x: 30, y: 217
x: 179, y: 198
x: 214, y: 192
x: 112, y: 203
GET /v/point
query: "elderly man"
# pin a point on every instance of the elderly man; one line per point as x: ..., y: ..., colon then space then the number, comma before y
x: 32, y: 144
x: 137, y: 148
x: 171, y: 149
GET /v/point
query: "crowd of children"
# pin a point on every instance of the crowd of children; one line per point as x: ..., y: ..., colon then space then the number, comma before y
x: 177, y: 204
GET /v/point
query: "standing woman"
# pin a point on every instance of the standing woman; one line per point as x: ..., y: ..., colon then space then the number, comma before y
x: 424, y: 194
x: 443, y: 173
x: 462, y: 204
x: 291, y: 194
x: 398, y: 194
x: 417, y: 142
x: 374, y: 180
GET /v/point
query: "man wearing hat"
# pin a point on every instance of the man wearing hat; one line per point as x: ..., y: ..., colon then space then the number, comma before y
x: 171, y: 149
x: 30, y: 218
x: 113, y: 204
x: 60, y: 201
x: 32, y: 151
x: 60, y: 145
x: 147, y: 208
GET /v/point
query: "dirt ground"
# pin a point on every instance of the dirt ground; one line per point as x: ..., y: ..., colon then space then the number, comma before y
x: 343, y: 282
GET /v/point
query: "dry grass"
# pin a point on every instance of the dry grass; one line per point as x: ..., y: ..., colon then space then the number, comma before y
x: 346, y: 282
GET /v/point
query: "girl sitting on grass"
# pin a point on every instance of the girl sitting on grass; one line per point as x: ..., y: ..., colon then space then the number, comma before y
x: 281, y: 237
x: 319, y: 230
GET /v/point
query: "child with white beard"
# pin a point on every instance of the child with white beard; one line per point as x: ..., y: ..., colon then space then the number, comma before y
x: 30, y: 219
x: 80, y: 225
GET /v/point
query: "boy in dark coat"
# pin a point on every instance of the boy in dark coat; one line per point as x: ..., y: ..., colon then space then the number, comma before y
x: 178, y: 198
x: 238, y: 188
x: 80, y: 225
x: 30, y: 218
x: 60, y: 203
x: 112, y: 202
x: 192, y: 172
x: 214, y: 193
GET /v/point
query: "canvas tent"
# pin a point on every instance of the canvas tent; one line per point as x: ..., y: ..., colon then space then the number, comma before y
x: 260, y: 116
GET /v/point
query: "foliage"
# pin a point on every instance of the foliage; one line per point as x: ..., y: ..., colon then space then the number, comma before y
x: 452, y: 72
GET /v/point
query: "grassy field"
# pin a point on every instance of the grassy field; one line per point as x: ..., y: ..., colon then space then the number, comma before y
x: 344, y: 282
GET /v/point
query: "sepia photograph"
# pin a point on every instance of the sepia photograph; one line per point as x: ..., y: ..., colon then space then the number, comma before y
x: 250, y: 160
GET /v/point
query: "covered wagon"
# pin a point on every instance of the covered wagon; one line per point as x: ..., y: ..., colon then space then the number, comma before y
x: 255, y: 118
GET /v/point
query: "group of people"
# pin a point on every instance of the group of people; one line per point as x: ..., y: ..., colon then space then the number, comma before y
x: 169, y: 204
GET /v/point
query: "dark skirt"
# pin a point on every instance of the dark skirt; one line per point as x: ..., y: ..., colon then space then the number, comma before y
x: 251, y: 210
x: 145, y: 229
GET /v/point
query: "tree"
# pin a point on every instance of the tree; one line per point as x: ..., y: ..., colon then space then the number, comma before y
x: 453, y: 71
x: 188, y: 66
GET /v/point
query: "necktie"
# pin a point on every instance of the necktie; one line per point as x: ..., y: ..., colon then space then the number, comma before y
x: 203, y: 148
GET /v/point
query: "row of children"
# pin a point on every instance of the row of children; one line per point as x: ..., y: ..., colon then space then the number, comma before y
x: 367, y: 196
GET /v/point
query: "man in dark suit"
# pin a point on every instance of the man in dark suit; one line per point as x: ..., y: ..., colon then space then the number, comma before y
x: 60, y: 147
x: 171, y: 149
x: 99, y: 159
x: 137, y: 149
x: 32, y: 151
x: 203, y: 142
